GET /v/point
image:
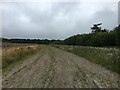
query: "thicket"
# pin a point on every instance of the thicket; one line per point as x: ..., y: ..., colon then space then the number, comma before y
x: 98, y: 37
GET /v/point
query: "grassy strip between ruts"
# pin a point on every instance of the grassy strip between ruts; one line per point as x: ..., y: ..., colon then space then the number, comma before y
x: 12, y: 55
x: 106, y: 57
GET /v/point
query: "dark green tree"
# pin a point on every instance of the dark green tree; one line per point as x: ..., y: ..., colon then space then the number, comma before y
x: 96, y: 28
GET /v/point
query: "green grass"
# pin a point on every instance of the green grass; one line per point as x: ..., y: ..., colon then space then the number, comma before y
x: 106, y: 57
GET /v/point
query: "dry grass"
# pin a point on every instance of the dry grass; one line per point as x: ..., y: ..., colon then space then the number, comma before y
x: 11, y: 55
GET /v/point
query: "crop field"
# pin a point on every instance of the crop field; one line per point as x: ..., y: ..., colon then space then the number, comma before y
x: 45, y: 66
x: 13, y: 45
x: 12, y: 53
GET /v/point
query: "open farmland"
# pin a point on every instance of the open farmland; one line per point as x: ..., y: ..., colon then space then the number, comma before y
x: 52, y: 67
x: 13, y: 45
x: 12, y: 53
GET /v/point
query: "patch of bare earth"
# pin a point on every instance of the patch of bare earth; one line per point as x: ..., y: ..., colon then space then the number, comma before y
x: 54, y: 68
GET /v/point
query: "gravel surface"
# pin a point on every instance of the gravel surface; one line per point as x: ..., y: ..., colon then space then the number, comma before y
x: 55, y: 68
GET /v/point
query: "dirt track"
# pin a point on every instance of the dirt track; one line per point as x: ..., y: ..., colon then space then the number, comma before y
x: 54, y: 68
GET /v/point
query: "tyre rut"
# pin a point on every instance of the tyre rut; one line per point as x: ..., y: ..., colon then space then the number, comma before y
x: 55, y: 68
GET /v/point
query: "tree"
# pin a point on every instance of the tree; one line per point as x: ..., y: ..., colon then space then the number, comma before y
x: 117, y: 31
x: 96, y: 28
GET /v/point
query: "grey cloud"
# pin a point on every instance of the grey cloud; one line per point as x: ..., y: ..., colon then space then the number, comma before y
x: 54, y: 20
x: 108, y: 17
x: 119, y: 13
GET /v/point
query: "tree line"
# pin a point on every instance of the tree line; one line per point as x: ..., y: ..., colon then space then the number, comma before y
x: 30, y: 41
x: 98, y: 37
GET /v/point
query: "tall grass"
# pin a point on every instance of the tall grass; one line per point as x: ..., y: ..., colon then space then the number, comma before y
x: 106, y: 57
x: 15, y: 54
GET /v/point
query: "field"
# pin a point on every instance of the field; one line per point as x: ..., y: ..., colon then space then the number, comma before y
x: 45, y: 66
x: 12, y: 53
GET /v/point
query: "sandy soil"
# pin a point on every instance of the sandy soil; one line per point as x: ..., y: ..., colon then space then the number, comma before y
x: 54, y: 68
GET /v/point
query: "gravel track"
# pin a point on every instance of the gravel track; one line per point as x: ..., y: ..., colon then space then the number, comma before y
x: 55, y: 68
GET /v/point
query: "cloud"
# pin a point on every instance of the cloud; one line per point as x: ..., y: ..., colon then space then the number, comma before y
x: 119, y: 13
x: 55, y: 20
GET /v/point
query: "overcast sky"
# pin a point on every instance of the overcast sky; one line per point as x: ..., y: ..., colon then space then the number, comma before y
x: 55, y: 20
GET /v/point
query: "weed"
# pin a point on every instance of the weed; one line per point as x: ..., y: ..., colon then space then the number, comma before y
x: 106, y: 57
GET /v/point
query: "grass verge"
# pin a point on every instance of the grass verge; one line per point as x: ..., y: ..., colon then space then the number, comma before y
x: 106, y: 57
